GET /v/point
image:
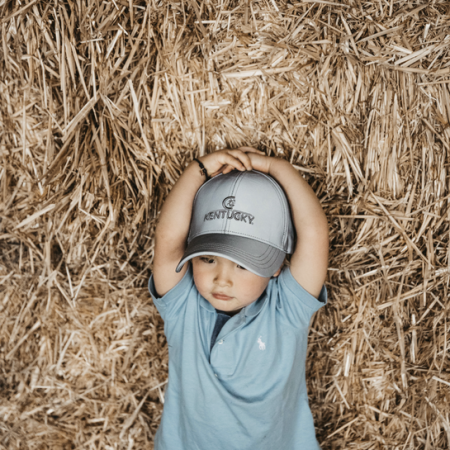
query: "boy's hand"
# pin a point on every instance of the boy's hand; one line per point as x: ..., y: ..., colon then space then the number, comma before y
x: 261, y: 162
x: 224, y: 161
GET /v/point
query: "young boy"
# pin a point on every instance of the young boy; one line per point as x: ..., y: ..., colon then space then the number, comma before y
x: 236, y: 321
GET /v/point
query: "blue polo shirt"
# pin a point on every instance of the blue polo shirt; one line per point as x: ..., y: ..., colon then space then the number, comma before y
x: 249, y: 391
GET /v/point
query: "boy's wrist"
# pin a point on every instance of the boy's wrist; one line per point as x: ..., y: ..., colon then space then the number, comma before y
x: 203, y: 169
x: 277, y: 166
x: 208, y: 162
x: 194, y: 173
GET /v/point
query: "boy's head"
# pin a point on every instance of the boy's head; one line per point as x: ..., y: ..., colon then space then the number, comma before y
x: 225, y: 284
x: 241, y: 230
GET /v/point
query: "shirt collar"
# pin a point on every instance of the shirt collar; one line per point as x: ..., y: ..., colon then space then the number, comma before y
x: 254, y: 308
x: 206, y: 304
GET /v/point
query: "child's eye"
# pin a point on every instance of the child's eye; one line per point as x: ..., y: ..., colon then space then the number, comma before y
x: 207, y: 259
x: 240, y: 267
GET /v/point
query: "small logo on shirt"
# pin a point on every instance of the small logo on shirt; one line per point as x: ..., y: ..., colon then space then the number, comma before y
x: 262, y: 346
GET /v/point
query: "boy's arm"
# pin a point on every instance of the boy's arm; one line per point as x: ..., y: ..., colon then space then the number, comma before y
x: 309, y: 262
x: 173, y: 225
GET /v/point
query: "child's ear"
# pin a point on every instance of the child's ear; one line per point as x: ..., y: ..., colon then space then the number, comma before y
x: 276, y: 273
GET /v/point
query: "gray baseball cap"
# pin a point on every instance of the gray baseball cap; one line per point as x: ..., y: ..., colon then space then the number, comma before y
x: 244, y: 217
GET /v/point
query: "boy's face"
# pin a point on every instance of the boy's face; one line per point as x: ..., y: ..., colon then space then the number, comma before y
x: 225, y: 284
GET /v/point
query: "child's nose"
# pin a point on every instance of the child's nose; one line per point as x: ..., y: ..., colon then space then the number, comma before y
x: 223, y: 278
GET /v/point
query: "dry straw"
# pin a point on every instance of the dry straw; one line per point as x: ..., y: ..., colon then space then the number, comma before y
x: 103, y: 103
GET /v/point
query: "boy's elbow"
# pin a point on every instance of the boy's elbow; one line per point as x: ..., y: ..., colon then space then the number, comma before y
x: 163, y: 231
x: 319, y: 229
x: 163, y: 237
x: 168, y: 243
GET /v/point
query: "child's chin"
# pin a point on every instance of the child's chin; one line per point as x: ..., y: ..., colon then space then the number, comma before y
x: 223, y: 305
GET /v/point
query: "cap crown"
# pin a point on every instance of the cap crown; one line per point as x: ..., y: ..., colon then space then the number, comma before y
x: 250, y: 204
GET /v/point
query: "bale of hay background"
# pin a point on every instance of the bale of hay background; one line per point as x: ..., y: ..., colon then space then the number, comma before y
x: 103, y: 103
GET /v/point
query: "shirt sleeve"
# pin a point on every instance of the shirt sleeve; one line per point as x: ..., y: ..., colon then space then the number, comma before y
x: 171, y: 304
x: 295, y: 303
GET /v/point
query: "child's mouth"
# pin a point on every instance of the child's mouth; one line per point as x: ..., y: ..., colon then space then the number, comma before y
x: 221, y: 297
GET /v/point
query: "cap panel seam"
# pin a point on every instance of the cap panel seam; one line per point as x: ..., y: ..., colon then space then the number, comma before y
x: 236, y: 178
x: 234, y: 189
x: 283, y: 200
x: 193, y: 203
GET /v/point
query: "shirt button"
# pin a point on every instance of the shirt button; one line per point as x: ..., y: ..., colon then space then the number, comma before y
x: 221, y: 341
x: 215, y: 374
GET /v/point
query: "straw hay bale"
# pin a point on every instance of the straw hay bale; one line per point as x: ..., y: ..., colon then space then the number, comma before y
x: 104, y: 103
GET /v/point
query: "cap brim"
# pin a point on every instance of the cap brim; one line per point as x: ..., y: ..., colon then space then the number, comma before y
x: 262, y: 259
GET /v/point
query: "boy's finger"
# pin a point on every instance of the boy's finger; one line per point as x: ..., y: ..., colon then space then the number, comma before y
x: 233, y: 161
x: 212, y: 175
x: 227, y: 169
x: 250, y: 150
x: 242, y: 157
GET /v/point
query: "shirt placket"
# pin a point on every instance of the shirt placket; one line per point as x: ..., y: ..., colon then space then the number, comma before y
x: 221, y: 340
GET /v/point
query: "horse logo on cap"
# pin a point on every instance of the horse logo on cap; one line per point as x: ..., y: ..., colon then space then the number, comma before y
x: 229, y: 202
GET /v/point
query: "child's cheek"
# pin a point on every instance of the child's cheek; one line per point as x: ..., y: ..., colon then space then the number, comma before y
x: 201, y: 280
x: 251, y: 288
x: 197, y: 277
